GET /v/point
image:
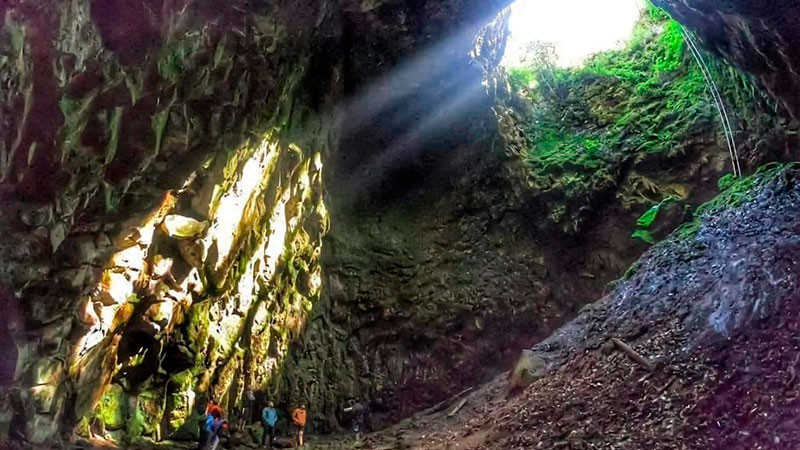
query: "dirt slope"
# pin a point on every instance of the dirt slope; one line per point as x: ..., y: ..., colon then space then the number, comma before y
x: 715, y: 311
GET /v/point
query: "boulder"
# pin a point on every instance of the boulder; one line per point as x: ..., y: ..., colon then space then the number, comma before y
x: 529, y: 368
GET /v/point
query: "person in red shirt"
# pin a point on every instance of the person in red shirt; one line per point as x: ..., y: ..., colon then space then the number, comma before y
x: 299, y: 422
x: 212, y: 410
x: 213, y: 406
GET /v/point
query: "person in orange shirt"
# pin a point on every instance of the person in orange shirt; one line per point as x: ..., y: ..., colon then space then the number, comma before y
x: 299, y: 422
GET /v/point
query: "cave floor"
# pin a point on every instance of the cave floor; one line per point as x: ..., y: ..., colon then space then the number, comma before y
x: 738, y: 394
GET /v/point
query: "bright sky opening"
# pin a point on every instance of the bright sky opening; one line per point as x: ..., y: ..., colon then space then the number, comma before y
x: 578, y: 28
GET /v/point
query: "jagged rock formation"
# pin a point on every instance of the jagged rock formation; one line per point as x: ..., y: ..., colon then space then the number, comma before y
x: 124, y: 124
x: 163, y: 201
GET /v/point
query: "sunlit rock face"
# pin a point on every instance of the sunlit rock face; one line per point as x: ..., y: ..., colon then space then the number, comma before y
x: 761, y: 37
x: 162, y: 207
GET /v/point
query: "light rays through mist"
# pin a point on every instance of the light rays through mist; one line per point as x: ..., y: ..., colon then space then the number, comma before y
x: 408, y: 117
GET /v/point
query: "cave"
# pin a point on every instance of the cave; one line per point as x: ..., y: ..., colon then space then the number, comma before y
x: 367, y: 202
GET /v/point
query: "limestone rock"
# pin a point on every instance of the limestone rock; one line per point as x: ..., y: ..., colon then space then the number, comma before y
x: 182, y: 227
x: 529, y: 368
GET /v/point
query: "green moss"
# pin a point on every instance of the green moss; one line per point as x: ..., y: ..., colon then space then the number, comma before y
x: 591, y: 124
x: 196, y: 328
x: 114, y: 129
x: 173, y: 57
x: 182, y: 398
x: 145, y: 419
x: 735, y: 193
x: 112, y: 409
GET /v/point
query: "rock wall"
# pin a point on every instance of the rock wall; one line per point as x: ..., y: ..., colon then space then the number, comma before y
x: 162, y: 200
x: 760, y: 37
x: 162, y: 209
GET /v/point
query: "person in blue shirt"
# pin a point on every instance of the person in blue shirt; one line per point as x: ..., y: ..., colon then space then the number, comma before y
x: 213, y: 423
x: 269, y: 416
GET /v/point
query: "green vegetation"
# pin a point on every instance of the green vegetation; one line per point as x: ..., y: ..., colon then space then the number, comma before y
x: 173, y: 57
x: 521, y: 77
x: 735, y: 193
x: 111, y: 411
x: 592, y: 127
x: 646, y: 220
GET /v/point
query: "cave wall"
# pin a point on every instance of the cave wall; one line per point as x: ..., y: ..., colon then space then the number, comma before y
x: 761, y: 37
x: 162, y: 207
x: 163, y: 200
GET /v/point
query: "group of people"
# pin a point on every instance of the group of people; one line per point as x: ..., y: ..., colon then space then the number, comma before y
x: 269, y: 418
x: 214, y: 423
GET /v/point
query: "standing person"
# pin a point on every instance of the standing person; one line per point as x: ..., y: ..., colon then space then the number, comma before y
x: 217, y: 425
x: 359, y: 411
x: 212, y: 410
x: 269, y: 416
x: 209, y: 433
x: 247, y: 409
x: 299, y: 422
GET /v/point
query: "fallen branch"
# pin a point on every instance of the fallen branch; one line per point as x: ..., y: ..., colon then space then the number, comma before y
x: 457, y: 408
x: 632, y: 354
x: 666, y: 386
x: 443, y: 404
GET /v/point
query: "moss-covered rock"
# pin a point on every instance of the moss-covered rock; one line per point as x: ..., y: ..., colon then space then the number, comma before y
x: 611, y: 130
x: 145, y: 419
x: 112, y: 411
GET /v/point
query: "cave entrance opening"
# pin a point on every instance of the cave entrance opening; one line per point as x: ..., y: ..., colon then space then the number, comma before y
x: 568, y: 31
x: 655, y: 81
